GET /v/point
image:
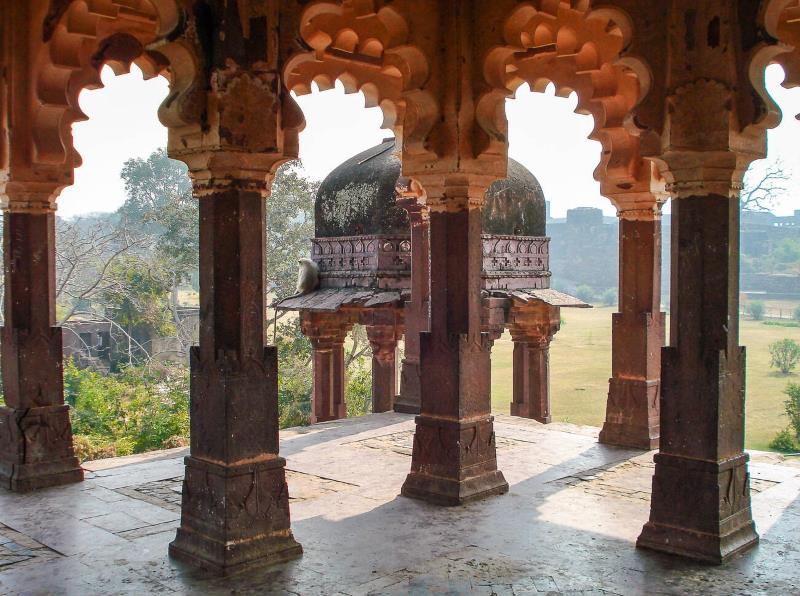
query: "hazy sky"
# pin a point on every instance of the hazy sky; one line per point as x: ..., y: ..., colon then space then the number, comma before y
x: 545, y: 135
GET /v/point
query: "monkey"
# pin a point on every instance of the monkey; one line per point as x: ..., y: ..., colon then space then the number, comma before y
x: 307, y: 277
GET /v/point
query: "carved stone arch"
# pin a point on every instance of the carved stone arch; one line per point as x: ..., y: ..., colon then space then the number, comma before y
x: 367, y: 49
x: 579, y: 50
x: 781, y: 19
x: 82, y: 37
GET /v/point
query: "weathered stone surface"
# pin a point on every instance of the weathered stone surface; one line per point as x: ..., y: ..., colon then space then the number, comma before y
x: 35, y: 432
x: 564, y: 490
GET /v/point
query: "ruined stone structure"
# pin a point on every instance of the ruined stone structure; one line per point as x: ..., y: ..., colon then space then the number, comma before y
x: 373, y: 272
x: 677, y: 96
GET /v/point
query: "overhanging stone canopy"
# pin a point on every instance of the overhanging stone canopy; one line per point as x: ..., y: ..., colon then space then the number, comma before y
x: 676, y: 92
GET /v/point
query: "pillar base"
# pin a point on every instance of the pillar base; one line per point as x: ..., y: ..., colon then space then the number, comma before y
x: 341, y: 413
x: 632, y: 414
x: 234, y: 517
x: 700, y: 509
x: 36, y: 448
x: 525, y: 411
x: 454, y: 462
x: 403, y: 405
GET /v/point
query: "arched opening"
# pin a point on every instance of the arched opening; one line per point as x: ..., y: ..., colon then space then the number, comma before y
x: 550, y: 139
x: 770, y: 266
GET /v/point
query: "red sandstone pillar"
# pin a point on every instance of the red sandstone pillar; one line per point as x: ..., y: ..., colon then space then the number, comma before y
x: 454, y: 457
x: 700, y: 506
x: 327, y: 333
x: 383, y: 338
x: 632, y: 412
x: 416, y: 309
x: 235, y: 510
x: 35, y: 432
x: 532, y: 329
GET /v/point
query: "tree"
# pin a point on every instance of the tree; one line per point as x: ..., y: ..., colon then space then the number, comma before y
x: 756, y: 310
x: 290, y: 228
x: 160, y: 203
x: 785, y: 355
x: 762, y: 189
x: 584, y: 293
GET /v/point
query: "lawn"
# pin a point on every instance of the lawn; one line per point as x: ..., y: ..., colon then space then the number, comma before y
x: 580, y: 360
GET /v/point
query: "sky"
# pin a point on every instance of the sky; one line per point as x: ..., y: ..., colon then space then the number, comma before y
x: 545, y: 135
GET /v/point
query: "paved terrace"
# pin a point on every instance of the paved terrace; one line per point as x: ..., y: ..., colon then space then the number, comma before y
x: 568, y: 525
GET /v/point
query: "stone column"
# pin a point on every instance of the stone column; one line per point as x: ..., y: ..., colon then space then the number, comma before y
x: 235, y: 510
x: 416, y: 309
x: 384, y: 331
x: 700, y: 505
x: 327, y: 332
x: 454, y: 457
x: 532, y: 328
x: 384, y: 372
x: 36, y: 448
x: 632, y: 412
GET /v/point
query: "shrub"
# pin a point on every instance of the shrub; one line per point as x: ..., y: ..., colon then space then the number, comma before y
x: 584, y: 293
x: 138, y: 409
x: 784, y: 442
x: 792, y: 408
x: 796, y: 314
x: 359, y: 390
x: 785, y: 355
x: 788, y: 440
x: 609, y: 297
x: 756, y: 310
x: 295, y: 381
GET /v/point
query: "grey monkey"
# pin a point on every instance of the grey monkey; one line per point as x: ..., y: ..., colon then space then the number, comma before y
x: 307, y: 277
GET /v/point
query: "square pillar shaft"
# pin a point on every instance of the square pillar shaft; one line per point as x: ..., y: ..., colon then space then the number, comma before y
x: 383, y: 339
x: 700, y: 506
x: 36, y: 449
x: 632, y: 412
x: 532, y: 329
x: 327, y: 333
x: 235, y: 508
x: 416, y: 310
x: 454, y: 455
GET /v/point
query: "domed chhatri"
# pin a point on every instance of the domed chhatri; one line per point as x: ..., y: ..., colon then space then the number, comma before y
x: 358, y: 198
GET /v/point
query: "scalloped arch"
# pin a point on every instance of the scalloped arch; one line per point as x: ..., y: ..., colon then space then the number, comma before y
x: 367, y: 50
x: 578, y: 50
x: 90, y: 34
x: 782, y: 21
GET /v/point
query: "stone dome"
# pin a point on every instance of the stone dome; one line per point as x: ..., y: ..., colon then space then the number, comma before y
x: 358, y: 198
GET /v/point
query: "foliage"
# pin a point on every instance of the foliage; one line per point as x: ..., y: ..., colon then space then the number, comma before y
x: 359, y: 390
x: 290, y: 227
x: 135, y: 410
x: 609, y: 297
x: 584, y: 293
x: 159, y: 200
x: 788, y: 440
x: 785, y: 355
x: 756, y: 310
x: 784, y: 442
x: 792, y: 408
x: 294, y: 391
x: 796, y: 314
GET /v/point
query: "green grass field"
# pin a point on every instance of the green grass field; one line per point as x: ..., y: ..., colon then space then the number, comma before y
x: 580, y: 361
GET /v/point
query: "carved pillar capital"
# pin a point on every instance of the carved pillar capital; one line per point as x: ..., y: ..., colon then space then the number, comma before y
x: 217, y: 172
x: 18, y: 196
x: 326, y: 330
x: 534, y: 323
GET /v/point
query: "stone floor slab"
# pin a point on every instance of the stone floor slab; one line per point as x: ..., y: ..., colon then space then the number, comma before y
x: 567, y: 526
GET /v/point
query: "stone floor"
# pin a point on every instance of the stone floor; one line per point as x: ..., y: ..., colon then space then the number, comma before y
x: 568, y: 524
